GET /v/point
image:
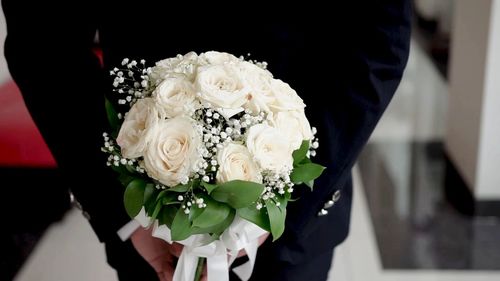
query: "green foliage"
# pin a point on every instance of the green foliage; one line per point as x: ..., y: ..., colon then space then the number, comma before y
x: 258, y: 217
x: 181, y: 227
x: 134, y: 196
x: 180, y: 187
x: 305, y: 173
x: 167, y: 215
x: 209, y: 187
x: 213, y: 214
x: 276, y: 219
x: 125, y: 178
x: 216, y: 230
x: 238, y: 194
x: 112, y: 115
x: 300, y: 154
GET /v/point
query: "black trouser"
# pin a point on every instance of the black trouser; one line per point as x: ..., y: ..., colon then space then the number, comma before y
x: 268, y: 269
x: 131, y: 267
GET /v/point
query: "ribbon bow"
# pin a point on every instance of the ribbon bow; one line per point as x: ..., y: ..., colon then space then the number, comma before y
x: 240, y: 235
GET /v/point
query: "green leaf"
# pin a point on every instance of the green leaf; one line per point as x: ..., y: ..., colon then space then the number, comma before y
x: 208, y: 186
x: 170, y: 199
x: 214, y: 213
x: 258, y: 217
x: 151, y: 204
x: 157, y: 210
x: 283, y: 201
x: 306, y: 172
x: 134, y: 196
x: 310, y: 184
x: 181, y: 227
x: 161, y: 195
x: 125, y: 179
x: 121, y: 170
x: 195, y: 212
x: 167, y: 215
x: 130, y: 169
x: 149, y: 192
x: 113, y: 120
x: 300, y: 154
x: 180, y: 187
x: 220, y: 228
x: 276, y: 219
x: 238, y: 193
x: 305, y: 161
x: 216, y: 230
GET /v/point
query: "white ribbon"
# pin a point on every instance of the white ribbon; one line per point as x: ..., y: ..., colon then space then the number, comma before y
x: 240, y: 235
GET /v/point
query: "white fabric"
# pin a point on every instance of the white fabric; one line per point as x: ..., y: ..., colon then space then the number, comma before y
x: 126, y: 231
x: 240, y: 235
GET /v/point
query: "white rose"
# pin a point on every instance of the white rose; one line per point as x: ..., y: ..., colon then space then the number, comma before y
x: 270, y: 148
x: 258, y: 80
x: 236, y: 163
x: 221, y: 86
x: 294, y: 125
x: 213, y: 57
x: 285, y: 97
x: 134, y: 132
x: 172, y: 152
x: 181, y: 65
x: 176, y: 96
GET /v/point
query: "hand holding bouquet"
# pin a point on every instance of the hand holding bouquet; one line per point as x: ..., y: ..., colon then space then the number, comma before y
x: 210, y: 148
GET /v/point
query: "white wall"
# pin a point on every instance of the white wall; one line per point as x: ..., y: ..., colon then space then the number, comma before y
x: 467, y: 68
x: 4, y: 73
x: 488, y: 175
x: 473, y: 130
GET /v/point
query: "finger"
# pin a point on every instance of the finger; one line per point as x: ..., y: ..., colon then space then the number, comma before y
x: 167, y: 276
x: 161, y: 276
x: 164, y: 267
x: 175, y: 249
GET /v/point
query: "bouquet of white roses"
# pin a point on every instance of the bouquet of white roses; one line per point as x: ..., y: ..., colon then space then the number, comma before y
x: 209, y: 148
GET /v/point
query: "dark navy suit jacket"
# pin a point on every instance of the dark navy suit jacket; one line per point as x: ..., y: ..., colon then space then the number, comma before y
x: 345, y: 62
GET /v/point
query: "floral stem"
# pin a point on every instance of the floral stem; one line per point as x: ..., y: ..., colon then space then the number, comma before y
x: 199, y: 269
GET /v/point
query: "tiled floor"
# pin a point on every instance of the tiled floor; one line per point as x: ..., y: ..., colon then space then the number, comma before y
x: 426, y: 232
x: 70, y: 251
x: 358, y: 258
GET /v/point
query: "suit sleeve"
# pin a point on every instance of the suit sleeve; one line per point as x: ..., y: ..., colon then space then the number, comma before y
x: 49, y: 54
x: 365, y: 54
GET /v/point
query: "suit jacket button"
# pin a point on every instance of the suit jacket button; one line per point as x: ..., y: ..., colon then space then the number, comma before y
x: 336, y: 196
x: 329, y: 204
x: 322, y: 212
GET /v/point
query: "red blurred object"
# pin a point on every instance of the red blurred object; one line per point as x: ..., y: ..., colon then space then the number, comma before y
x: 21, y: 144
x: 98, y: 53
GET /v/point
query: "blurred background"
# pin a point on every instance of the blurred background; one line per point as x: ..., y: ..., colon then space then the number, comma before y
x: 427, y: 185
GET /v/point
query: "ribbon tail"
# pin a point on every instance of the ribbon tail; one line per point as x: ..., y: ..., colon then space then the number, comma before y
x: 186, y: 266
x: 233, y: 255
x: 217, y: 268
x: 245, y: 270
